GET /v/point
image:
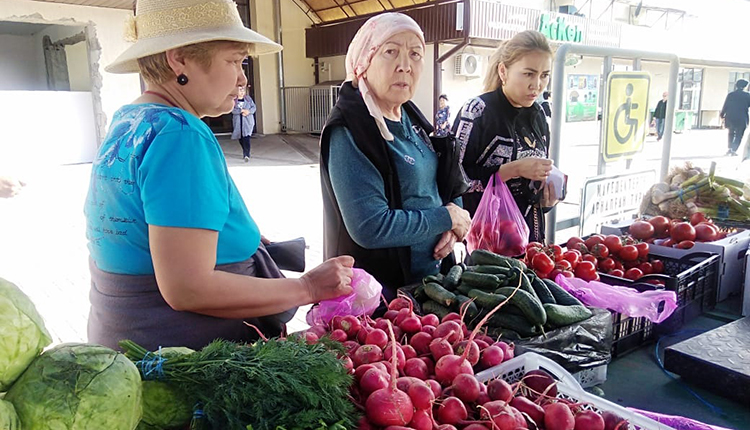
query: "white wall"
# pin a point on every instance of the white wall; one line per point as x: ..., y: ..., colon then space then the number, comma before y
x: 78, y: 67
x: 298, y: 69
x: 266, y: 70
x: 105, y: 28
x: 19, y: 63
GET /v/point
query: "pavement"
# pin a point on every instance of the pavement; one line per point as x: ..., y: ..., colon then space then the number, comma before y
x: 42, y: 230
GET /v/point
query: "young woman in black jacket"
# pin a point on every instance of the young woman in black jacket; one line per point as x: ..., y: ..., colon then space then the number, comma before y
x: 504, y: 130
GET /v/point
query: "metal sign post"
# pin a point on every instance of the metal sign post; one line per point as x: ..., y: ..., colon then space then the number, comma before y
x: 558, y: 81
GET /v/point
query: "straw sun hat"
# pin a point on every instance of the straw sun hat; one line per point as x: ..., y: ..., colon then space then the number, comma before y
x: 160, y: 25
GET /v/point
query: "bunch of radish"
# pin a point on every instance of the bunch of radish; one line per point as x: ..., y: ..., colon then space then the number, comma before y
x: 417, y: 372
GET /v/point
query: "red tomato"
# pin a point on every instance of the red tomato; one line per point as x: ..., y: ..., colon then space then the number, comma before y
x: 633, y: 273
x: 571, y: 244
x: 553, y: 274
x: 705, y: 232
x: 531, y: 252
x: 618, y: 265
x: 591, y: 259
x: 563, y: 265
x: 617, y: 272
x: 682, y: 231
x: 657, y: 266
x: 685, y: 244
x: 641, y: 230
x: 569, y: 274
x: 593, y: 240
x: 613, y: 243
x: 556, y: 251
x: 646, y: 268
x: 698, y: 218
x: 572, y: 257
x: 534, y: 245
x: 661, y: 226
x: 542, y: 263
x: 586, y: 271
x: 582, y: 248
x: 607, y: 265
x: 600, y: 250
x: 628, y: 253
x: 642, y: 250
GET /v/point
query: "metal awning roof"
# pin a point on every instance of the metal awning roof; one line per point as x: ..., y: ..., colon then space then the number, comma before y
x: 112, y: 4
x: 323, y: 11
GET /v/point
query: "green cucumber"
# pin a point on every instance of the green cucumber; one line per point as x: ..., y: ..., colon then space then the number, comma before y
x: 526, y: 285
x: 432, y: 307
x: 503, y: 333
x: 419, y: 294
x: 492, y: 270
x: 486, y: 300
x: 530, y: 306
x: 514, y: 322
x: 542, y: 292
x: 463, y: 289
x: 437, y: 278
x: 561, y: 315
x: 465, y: 303
x: 453, y: 278
x: 561, y: 296
x: 484, y: 281
x: 483, y: 257
x: 439, y: 294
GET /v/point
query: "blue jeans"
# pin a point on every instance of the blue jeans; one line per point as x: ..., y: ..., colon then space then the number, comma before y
x: 659, y: 127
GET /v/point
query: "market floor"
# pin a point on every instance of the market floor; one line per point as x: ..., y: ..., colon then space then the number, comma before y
x: 43, y: 249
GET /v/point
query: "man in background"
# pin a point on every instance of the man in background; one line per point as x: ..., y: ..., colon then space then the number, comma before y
x: 734, y: 114
x: 659, y: 114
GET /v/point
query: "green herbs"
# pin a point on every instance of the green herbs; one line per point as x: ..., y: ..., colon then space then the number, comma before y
x: 264, y: 386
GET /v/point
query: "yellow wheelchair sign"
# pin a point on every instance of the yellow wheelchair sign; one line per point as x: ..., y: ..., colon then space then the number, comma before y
x: 626, y: 114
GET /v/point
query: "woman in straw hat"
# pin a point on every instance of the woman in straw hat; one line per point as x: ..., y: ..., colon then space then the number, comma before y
x: 176, y: 259
x: 380, y: 193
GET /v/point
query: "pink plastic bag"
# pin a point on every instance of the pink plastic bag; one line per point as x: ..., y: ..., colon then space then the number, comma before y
x: 627, y: 301
x: 498, y: 225
x: 363, y: 300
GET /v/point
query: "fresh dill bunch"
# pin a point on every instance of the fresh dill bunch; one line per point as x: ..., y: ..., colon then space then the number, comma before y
x: 278, y: 383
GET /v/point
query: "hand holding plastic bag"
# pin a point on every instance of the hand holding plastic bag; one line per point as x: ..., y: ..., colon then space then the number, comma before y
x: 627, y: 301
x: 364, y: 299
x: 498, y: 225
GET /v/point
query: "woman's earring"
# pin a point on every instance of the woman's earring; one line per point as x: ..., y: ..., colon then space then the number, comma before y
x: 182, y: 79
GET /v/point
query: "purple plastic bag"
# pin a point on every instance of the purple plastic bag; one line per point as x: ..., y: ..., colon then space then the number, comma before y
x: 363, y: 300
x: 627, y: 301
x: 498, y: 225
x: 676, y: 422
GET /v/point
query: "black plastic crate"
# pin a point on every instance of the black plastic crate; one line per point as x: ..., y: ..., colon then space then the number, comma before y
x: 694, y: 279
x: 629, y: 333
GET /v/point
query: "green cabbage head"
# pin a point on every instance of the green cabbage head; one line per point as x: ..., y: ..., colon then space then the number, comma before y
x: 164, y: 406
x: 8, y: 417
x: 23, y: 335
x: 78, y: 386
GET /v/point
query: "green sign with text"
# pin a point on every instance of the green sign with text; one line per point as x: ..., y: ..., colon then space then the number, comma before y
x: 559, y: 30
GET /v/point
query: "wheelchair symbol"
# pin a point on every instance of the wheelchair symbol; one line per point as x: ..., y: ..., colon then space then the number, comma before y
x: 631, y: 123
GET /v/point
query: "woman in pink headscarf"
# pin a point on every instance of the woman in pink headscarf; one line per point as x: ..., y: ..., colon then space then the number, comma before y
x: 378, y: 168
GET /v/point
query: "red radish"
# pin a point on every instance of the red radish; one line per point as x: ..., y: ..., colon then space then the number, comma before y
x: 336, y: 322
x: 373, y: 380
x: 403, y: 383
x: 491, y: 356
x: 484, y: 338
x: 429, y: 329
x: 612, y: 421
x: 339, y: 335
x: 311, y: 337
x: 367, y: 354
x: 475, y: 427
x: 481, y: 344
x: 446, y: 427
x: 483, y: 398
x: 466, y: 387
x: 398, y: 428
x: 589, y: 420
x: 348, y: 364
x: 390, y: 406
x: 452, y: 411
x: 430, y: 319
x: 437, y: 389
x: 399, y: 303
x: 319, y: 330
x: 362, y: 334
x: 557, y: 416
x: 500, y: 390
x: 508, y: 350
x: 402, y: 314
x: 398, y: 332
x: 539, y: 383
x: 377, y: 337
x: 351, y: 346
x: 401, y: 359
x: 360, y: 371
x: 351, y: 325
x: 409, y: 351
x: 416, y: 368
x: 430, y: 364
x: 382, y: 323
x: 473, y: 355
x: 411, y: 324
x: 502, y: 415
x: 421, y: 342
x: 382, y: 366
x: 526, y: 406
x: 450, y: 331
x: 421, y: 395
x: 440, y: 348
x: 363, y: 424
x: 421, y: 420
x: 451, y: 316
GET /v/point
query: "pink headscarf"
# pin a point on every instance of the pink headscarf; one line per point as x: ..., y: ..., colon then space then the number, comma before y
x: 366, y: 43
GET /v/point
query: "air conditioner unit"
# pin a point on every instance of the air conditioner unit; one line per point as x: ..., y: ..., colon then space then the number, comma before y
x: 469, y: 65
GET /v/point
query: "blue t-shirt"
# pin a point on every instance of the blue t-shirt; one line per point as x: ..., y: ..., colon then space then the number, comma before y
x: 161, y: 166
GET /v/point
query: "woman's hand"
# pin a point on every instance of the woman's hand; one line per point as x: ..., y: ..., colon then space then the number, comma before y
x: 534, y: 168
x: 331, y: 279
x: 549, y: 196
x: 460, y: 220
x: 445, y: 245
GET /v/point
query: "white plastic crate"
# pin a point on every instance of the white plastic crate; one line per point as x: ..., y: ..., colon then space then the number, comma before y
x: 567, y: 387
x: 746, y: 291
x: 592, y: 376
